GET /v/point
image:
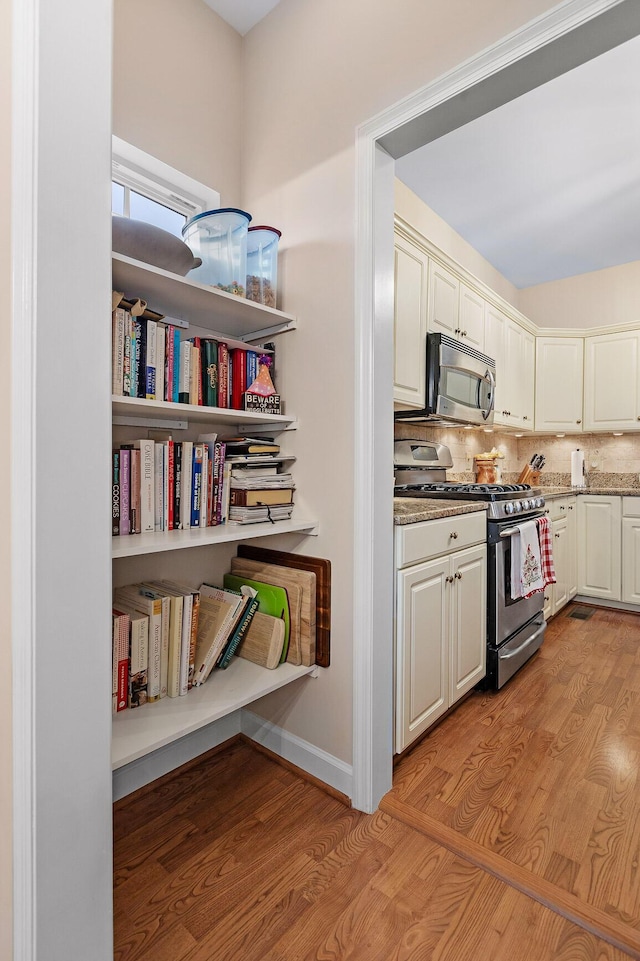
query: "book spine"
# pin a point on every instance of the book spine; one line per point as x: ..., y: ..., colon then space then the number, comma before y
x: 171, y: 483
x: 147, y: 485
x: 226, y: 492
x: 238, y: 634
x: 117, y: 356
x: 161, y: 347
x: 165, y: 485
x: 185, y: 372
x: 150, y: 360
x: 223, y: 375
x: 185, y: 643
x: 209, y: 360
x: 186, y: 486
x: 138, y: 661
x: 176, y: 604
x: 115, y: 494
x: 177, y: 485
x: 196, y: 482
x: 126, y: 362
x: 155, y: 653
x: 267, y: 496
x: 158, y: 496
x: 134, y: 491
x: 125, y: 476
x: 175, y: 383
x: 122, y: 655
x: 169, y: 362
x: 141, y: 357
x: 204, y: 485
x: 252, y: 367
x: 195, y: 619
x: 194, y: 372
x: 238, y: 376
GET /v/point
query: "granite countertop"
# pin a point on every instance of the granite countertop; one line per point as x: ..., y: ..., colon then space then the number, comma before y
x: 614, y: 491
x: 412, y: 510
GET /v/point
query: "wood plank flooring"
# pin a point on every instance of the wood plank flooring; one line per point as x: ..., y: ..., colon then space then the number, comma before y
x: 237, y: 857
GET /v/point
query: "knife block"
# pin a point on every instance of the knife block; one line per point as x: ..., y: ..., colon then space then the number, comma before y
x: 528, y: 476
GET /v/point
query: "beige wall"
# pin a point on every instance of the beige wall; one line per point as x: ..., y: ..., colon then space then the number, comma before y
x: 5, y: 503
x: 177, y: 90
x: 331, y: 66
x: 596, y: 299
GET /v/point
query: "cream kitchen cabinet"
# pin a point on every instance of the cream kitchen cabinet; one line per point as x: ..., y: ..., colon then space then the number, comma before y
x: 612, y: 381
x: 631, y: 550
x: 513, y: 349
x: 563, y: 516
x: 411, y: 272
x: 599, y: 546
x: 440, y: 619
x: 558, y: 383
x: 455, y: 308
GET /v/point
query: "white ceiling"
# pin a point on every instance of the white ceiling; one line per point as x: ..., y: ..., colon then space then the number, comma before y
x: 242, y: 14
x: 548, y: 185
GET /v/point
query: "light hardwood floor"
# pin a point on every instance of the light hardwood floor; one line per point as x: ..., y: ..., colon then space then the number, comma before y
x: 237, y: 857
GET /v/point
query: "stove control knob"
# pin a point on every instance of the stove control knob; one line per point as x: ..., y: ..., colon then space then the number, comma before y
x: 508, y: 508
x: 539, y: 502
x: 526, y: 505
x: 542, y: 502
x: 517, y: 506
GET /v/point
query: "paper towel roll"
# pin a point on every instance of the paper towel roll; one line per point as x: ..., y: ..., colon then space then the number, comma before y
x: 577, y: 468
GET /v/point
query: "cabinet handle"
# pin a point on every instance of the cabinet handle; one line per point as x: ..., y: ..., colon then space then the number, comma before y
x: 546, y: 598
x: 556, y: 535
x: 457, y: 330
x: 525, y: 417
x: 569, y: 508
x: 563, y: 508
x: 454, y: 535
x: 464, y: 333
x: 579, y: 421
x: 458, y: 576
x: 449, y: 579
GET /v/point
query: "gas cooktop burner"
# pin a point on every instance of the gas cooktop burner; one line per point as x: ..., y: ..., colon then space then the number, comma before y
x: 504, y: 500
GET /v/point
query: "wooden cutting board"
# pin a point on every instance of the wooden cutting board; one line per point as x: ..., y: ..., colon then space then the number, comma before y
x: 299, y: 584
x: 264, y: 640
x: 321, y: 567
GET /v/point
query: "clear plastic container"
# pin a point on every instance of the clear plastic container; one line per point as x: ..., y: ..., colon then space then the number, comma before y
x: 219, y: 238
x: 262, y: 264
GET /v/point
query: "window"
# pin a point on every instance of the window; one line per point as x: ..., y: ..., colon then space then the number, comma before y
x: 145, y: 188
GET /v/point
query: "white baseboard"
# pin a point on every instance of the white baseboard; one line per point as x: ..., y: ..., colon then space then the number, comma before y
x: 605, y: 602
x: 146, y: 769
x: 327, y: 768
x: 316, y: 762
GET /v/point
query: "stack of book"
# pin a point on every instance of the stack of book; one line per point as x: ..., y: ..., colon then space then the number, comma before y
x: 169, y: 637
x: 169, y: 485
x: 151, y: 359
x: 260, y: 490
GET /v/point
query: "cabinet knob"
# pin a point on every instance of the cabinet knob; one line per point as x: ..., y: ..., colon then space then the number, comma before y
x: 525, y: 417
x: 570, y: 508
x: 458, y: 576
x: 563, y: 508
x: 556, y: 535
x: 546, y: 598
x: 449, y: 579
x: 457, y: 330
x: 464, y: 333
x: 454, y: 535
x: 579, y: 421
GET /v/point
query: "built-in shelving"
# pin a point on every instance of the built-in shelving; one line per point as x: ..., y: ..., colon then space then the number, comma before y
x: 144, y: 729
x: 132, y: 545
x: 138, y: 406
x: 197, y: 303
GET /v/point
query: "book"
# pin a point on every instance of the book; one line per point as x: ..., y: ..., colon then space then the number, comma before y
x: 130, y: 596
x: 252, y: 365
x: 259, y: 497
x: 254, y: 471
x: 250, y: 445
x: 185, y: 485
x: 204, y: 486
x: 117, y: 351
x: 134, y: 489
x: 120, y: 659
x: 191, y: 598
x: 174, y: 646
x: 257, y: 479
x: 185, y: 372
x: 176, y: 486
x: 194, y: 372
x: 219, y: 462
x: 209, y: 362
x: 223, y: 374
x: 149, y: 589
x: 147, y: 484
x: 138, y: 655
x: 258, y: 515
x: 218, y: 608
x: 125, y: 476
x: 209, y: 442
x: 115, y: 493
x: 169, y: 362
x: 238, y: 634
x: 140, y: 356
x: 126, y: 373
x: 196, y: 484
x: 158, y: 496
x: 225, y: 492
x: 150, y: 359
x: 238, y: 360
x: 161, y: 346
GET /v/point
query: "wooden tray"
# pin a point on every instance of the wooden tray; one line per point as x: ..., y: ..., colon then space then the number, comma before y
x: 321, y: 567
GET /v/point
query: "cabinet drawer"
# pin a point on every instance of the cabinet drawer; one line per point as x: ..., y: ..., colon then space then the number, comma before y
x: 419, y: 542
x: 559, y: 506
x: 631, y: 506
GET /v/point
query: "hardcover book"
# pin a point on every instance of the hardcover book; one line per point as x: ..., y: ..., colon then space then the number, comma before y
x: 120, y: 658
x: 138, y: 655
x: 241, y: 497
x: 130, y: 596
x: 147, y: 484
x: 218, y: 610
x: 238, y: 634
x: 209, y: 361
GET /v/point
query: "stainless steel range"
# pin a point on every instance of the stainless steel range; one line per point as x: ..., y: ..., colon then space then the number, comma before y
x: 515, y: 627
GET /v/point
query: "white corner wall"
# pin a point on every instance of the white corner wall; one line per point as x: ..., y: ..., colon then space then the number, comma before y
x: 600, y: 298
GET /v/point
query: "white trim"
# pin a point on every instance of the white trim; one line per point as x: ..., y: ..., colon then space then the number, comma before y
x: 316, y: 762
x: 22, y: 461
x: 139, y: 170
x: 373, y: 675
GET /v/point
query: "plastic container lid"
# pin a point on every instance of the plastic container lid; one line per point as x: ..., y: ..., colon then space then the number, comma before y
x: 220, y: 210
x: 273, y: 229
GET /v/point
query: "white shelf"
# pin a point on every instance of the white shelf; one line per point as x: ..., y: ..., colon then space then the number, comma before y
x: 132, y: 545
x: 138, y: 406
x: 197, y: 303
x: 144, y: 729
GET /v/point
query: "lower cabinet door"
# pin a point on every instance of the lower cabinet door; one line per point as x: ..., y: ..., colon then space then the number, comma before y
x: 422, y: 648
x: 599, y: 546
x: 631, y: 560
x: 561, y: 562
x: 468, y: 647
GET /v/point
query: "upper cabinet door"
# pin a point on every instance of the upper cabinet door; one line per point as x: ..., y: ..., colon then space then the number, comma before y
x: 495, y: 328
x: 527, y: 382
x: 444, y: 295
x: 410, y: 323
x: 611, y: 386
x: 471, y: 318
x: 559, y: 366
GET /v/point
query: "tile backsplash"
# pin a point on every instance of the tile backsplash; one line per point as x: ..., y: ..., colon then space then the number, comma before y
x: 603, y: 453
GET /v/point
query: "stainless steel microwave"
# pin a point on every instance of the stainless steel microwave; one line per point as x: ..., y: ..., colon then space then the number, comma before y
x: 460, y: 387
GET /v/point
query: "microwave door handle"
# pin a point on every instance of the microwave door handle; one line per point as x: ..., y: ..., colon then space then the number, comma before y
x: 492, y: 393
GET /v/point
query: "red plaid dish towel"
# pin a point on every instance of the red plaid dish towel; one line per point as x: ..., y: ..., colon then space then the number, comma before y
x: 546, y: 551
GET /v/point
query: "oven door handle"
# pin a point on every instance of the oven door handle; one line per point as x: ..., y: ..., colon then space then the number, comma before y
x: 506, y: 657
x: 510, y: 531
